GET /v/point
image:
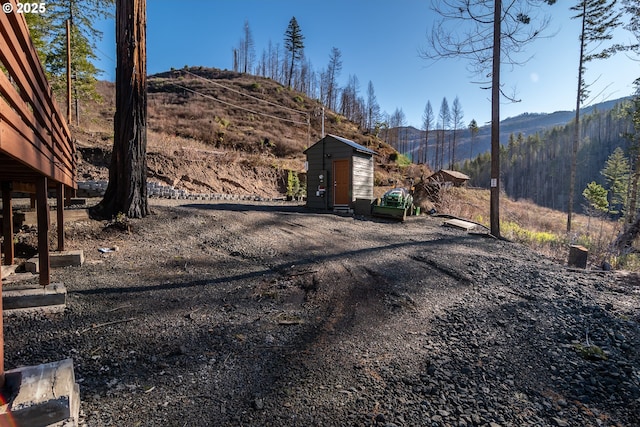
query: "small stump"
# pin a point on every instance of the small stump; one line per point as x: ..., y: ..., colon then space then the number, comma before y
x: 578, y: 256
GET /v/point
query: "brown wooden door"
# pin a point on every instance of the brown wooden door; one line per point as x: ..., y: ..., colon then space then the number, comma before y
x: 341, y: 182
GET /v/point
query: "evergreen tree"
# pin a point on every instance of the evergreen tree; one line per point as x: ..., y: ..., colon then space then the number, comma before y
x: 39, y: 25
x: 596, y: 196
x: 616, y: 173
x: 49, y: 35
x: 597, y: 203
x: 294, y: 44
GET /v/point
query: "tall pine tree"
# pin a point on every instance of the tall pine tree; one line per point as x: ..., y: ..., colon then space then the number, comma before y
x: 49, y: 34
x: 294, y: 44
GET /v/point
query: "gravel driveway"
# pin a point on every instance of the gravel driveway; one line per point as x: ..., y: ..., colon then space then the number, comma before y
x: 251, y: 314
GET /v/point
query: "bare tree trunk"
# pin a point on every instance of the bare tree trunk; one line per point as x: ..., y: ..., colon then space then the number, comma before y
x: 127, y: 189
x: 576, y: 132
x: 632, y: 211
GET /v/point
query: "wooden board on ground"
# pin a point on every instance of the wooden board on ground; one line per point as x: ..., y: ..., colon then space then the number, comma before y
x: 461, y: 224
x: 70, y: 215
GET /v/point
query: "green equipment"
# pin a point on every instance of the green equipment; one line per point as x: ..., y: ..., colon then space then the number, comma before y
x: 396, y: 203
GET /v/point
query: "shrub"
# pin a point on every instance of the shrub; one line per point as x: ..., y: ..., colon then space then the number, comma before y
x: 628, y: 262
x: 402, y: 160
x: 222, y: 122
x: 513, y: 231
x: 293, y: 184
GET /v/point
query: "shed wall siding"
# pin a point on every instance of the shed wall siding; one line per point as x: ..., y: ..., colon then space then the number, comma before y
x: 362, y: 177
x: 337, y: 149
x: 332, y: 149
x: 314, y: 157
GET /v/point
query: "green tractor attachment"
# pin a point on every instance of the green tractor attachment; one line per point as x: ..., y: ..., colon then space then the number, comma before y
x: 396, y: 203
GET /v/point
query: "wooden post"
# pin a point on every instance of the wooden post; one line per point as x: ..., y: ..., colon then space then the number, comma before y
x: 43, y: 230
x: 1, y: 339
x: 60, y: 215
x: 7, y: 223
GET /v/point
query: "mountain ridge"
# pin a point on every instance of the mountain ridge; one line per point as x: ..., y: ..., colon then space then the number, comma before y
x: 525, y: 123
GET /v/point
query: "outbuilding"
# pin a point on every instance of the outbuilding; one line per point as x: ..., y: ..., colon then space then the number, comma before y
x: 339, y: 171
x: 455, y: 178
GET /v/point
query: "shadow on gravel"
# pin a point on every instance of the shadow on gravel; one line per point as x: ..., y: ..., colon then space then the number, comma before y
x: 246, y: 207
x: 300, y: 262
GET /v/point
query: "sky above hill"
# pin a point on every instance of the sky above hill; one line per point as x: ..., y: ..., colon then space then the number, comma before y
x: 380, y: 41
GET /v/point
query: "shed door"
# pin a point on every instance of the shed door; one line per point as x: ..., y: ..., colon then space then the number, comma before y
x: 342, y: 182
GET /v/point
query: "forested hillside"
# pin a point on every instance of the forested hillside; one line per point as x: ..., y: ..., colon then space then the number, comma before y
x: 536, y: 167
x: 411, y: 141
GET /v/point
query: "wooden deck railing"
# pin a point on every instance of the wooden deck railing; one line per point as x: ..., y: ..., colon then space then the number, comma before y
x: 36, y: 149
x: 33, y: 132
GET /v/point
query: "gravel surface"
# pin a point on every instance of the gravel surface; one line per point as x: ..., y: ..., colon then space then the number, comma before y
x: 250, y: 314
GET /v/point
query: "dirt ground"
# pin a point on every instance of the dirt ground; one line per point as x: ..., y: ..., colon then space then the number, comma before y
x: 256, y: 314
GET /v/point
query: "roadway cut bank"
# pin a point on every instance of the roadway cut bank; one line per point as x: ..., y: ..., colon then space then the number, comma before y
x: 259, y: 314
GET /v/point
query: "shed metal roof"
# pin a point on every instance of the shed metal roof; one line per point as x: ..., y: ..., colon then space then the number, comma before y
x: 454, y: 174
x: 354, y: 145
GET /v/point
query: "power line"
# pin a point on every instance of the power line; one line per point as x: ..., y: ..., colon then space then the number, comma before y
x: 246, y: 94
x: 237, y: 106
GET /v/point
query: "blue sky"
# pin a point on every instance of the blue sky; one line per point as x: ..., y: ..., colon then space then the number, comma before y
x: 380, y: 42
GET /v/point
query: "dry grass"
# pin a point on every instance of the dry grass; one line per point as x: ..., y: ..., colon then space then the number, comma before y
x: 541, y: 228
x: 222, y: 118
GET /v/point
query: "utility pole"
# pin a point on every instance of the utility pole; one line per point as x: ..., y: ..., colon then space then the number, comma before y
x: 68, y: 71
x: 494, y: 211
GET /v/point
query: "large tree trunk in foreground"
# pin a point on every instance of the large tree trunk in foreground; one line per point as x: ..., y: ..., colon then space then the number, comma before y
x: 127, y: 189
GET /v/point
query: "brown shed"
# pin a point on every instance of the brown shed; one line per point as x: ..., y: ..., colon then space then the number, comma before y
x: 455, y: 178
x: 339, y: 171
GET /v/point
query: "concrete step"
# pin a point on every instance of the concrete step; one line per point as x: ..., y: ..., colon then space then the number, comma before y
x: 42, y: 396
x: 8, y: 270
x: 54, y: 295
